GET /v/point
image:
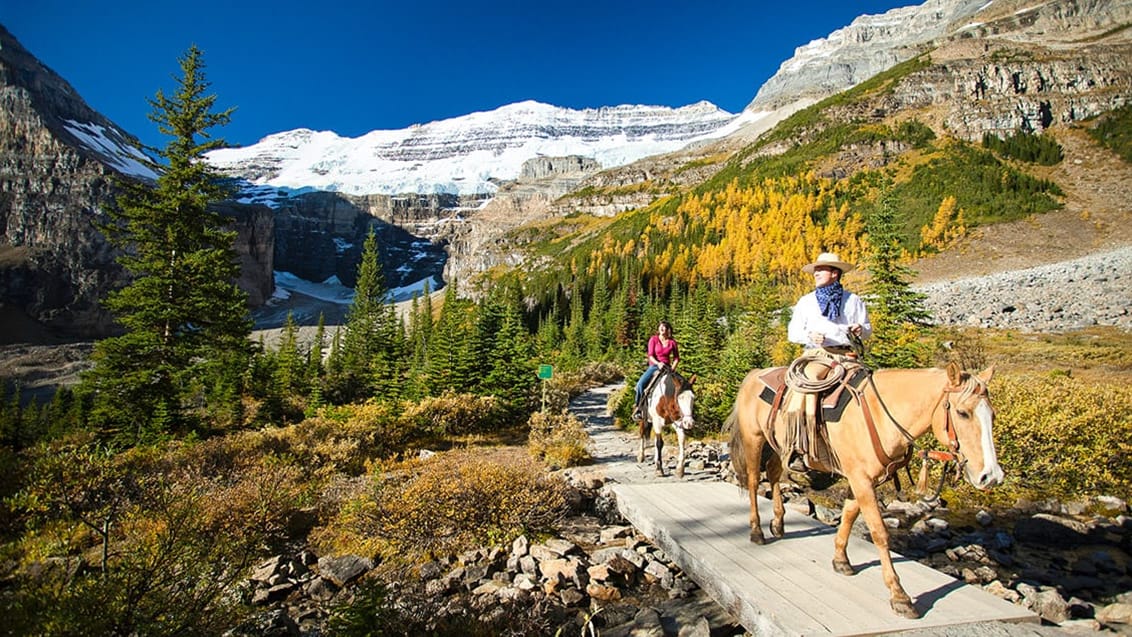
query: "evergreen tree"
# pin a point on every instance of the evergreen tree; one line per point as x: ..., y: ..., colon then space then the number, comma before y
x: 489, y: 321
x: 290, y: 366
x: 511, y: 375
x: 548, y: 338
x: 446, y: 346
x: 896, y: 311
x: 186, y: 322
x: 314, y: 354
x: 418, y: 335
x: 371, y: 347
x: 390, y: 364
x: 574, y: 335
x: 599, y: 334
x: 700, y: 335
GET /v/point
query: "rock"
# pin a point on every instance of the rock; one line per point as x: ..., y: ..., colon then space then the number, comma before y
x: 1111, y: 505
x: 572, y: 596
x: 520, y: 546
x: 660, y: 572
x: 276, y: 593
x: 1050, y: 530
x: 1118, y: 613
x: 564, y: 569
x: 602, y: 592
x: 273, y: 623
x: 320, y: 588
x: 267, y: 569
x: 647, y: 623
x: 345, y: 569
x: 611, y: 533
x: 1046, y: 602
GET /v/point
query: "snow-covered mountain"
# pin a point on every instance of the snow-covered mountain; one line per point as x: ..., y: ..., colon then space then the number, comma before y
x: 470, y: 154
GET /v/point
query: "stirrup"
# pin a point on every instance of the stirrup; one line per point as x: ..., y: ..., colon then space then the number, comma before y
x: 797, y: 463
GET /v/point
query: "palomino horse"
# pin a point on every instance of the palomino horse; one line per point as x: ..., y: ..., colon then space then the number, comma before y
x: 670, y: 401
x: 874, y: 438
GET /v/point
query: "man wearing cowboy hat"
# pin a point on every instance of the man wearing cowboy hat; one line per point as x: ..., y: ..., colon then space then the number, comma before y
x: 823, y: 319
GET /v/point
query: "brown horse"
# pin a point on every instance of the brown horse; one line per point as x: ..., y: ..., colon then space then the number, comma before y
x: 669, y: 402
x: 874, y: 437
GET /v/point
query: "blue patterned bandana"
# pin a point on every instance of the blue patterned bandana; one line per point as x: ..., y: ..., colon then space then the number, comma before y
x: 829, y: 300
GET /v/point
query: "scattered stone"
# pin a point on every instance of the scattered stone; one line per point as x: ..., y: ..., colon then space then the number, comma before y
x: 345, y: 569
x: 1115, y: 614
x: 1050, y: 530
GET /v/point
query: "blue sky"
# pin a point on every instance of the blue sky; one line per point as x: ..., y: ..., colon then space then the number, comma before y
x: 353, y: 67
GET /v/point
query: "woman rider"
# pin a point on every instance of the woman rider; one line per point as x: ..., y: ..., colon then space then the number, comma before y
x: 663, y: 353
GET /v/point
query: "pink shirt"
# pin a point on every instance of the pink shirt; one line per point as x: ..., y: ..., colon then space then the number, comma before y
x: 666, y: 354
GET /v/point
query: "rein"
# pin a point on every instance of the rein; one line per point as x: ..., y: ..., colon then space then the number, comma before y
x: 892, y: 466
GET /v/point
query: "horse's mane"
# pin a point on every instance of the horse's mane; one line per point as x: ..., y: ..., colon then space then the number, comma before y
x: 972, y: 385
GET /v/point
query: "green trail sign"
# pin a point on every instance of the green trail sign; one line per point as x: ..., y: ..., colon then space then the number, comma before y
x: 545, y: 372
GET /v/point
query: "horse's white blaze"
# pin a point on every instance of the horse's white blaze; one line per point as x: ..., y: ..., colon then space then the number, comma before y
x: 685, y: 401
x: 992, y: 473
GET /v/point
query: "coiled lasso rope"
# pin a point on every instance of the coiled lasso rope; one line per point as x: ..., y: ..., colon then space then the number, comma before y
x: 797, y: 380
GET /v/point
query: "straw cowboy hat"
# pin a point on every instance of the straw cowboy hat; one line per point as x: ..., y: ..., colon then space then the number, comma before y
x: 830, y: 259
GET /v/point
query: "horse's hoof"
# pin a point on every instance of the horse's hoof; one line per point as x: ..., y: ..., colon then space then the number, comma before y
x: 757, y: 537
x: 776, y: 528
x: 904, y: 608
x: 680, y: 473
x: 660, y: 473
x: 845, y: 568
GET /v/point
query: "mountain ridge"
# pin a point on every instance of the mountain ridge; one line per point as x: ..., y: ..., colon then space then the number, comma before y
x: 469, y: 154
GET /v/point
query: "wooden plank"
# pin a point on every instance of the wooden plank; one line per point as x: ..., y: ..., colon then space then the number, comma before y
x: 788, y: 586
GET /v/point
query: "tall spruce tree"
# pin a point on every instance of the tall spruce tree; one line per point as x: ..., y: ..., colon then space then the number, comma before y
x: 372, y: 352
x: 186, y: 322
x: 511, y: 375
x: 896, y: 311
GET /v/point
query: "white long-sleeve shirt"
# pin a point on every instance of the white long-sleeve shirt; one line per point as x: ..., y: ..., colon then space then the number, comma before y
x: 807, y: 318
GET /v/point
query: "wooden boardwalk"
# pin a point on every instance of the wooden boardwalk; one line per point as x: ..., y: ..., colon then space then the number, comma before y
x: 787, y: 586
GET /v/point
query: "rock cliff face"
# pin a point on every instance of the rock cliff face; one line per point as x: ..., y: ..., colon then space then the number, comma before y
x: 57, y: 156
x: 995, y: 67
x: 1019, y: 55
x: 320, y: 235
x: 853, y: 54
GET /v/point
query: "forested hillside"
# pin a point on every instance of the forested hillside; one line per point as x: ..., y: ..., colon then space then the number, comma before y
x: 138, y: 501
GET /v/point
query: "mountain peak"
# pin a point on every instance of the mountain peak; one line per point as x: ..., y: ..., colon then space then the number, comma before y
x: 853, y: 54
x: 469, y: 154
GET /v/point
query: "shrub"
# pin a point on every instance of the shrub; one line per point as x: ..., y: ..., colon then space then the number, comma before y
x: 447, y: 504
x: 453, y: 414
x: 558, y: 438
x: 342, y: 439
x: 1114, y: 131
x: 1062, y: 437
x: 1028, y: 147
x: 176, y: 534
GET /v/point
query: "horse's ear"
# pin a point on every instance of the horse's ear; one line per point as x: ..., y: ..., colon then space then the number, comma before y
x: 954, y: 374
x: 692, y: 380
x: 986, y: 374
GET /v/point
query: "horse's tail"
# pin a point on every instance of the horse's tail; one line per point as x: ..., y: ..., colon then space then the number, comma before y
x: 735, y: 447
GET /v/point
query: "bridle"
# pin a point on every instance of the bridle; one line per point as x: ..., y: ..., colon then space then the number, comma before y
x: 973, y: 386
